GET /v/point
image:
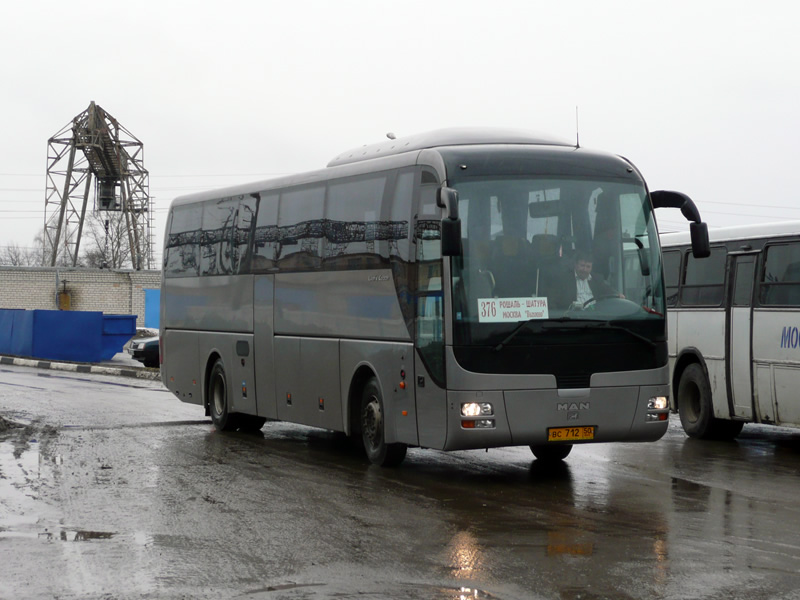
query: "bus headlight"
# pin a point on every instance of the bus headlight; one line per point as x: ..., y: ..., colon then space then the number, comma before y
x: 658, y: 403
x: 476, y: 409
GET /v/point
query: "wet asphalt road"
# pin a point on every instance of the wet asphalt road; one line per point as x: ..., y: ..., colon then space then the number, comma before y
x: 111, y: 488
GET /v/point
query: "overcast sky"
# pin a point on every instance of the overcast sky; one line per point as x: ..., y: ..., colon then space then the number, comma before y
x: 704, y: 97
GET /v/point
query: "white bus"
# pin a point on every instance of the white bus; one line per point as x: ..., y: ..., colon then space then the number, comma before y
x: 733, y: 328
x: 412, y: 293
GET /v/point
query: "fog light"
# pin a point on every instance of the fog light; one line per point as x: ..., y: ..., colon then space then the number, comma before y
x: 478, y: 424
x: 658, y: 403
x: 476, y: 409
x: 655, y: 417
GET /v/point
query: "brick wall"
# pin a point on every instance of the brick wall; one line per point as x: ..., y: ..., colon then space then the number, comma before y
x: 111, y: 292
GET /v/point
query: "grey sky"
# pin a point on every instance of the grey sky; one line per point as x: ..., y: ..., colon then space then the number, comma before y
x: 702, y: 96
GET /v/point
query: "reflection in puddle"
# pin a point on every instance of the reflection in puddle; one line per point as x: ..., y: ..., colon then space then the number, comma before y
x: 76, y: 536
x: 568, y: 541
x: 464, y: 554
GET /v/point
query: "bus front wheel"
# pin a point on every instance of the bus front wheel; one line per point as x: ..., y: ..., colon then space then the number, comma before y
x: 696, y: 408
x: 372, y: 429
x: 218, y: 404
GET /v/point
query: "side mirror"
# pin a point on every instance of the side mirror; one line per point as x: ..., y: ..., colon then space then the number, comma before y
x: 701, y: 248
x: 447, y: 198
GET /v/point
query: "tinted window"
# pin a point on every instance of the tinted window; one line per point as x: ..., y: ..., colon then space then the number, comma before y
x: 704, y: 281
x: 216, y: 256
x: 780, y: 280
x: 354, y: 228
x: 672, y: 275
x: 266, y: 238
x: 245, y: 221
x: 399, y: 214
x: 301, y: 229
x: 183, y: 242
x: 430, y: 299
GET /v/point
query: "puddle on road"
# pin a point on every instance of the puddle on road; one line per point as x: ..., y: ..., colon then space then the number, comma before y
x: 21, y: 515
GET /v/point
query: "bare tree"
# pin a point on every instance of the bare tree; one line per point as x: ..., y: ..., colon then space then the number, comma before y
x: 18, y: 256
x: 108, y: 243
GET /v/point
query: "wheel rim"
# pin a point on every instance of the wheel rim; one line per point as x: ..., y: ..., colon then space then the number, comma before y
x: 690, y: 402
x: 218, y: 394
x: 372, y: 421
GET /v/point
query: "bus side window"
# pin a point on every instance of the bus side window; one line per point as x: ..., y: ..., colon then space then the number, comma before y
x: 704, y: 279
x: 216, y: 253
x: 430, y: 300
x: 183, y: 244
x: 672, y: 275
x: 780, y: 280
x: 266, y: 237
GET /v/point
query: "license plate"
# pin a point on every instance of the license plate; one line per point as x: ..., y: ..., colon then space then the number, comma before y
x: 570, y: 434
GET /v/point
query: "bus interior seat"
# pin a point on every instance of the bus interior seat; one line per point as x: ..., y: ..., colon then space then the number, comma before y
x: 546, y: 262
x: 511, y: 266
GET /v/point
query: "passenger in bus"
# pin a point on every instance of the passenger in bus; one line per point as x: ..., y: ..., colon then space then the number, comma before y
x: 579, y: 287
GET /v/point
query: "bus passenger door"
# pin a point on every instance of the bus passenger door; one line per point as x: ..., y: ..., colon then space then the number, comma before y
x: 739, y: 366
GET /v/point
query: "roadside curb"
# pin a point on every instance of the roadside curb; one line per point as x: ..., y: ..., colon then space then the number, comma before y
x: 80, y: 368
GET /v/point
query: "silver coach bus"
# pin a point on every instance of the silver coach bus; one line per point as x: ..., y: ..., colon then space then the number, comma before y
x: 734, y: 344
x: 413, y: 293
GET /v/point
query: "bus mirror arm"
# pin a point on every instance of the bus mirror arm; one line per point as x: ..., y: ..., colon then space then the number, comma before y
x: 447, y: 198
x: 698, y: 230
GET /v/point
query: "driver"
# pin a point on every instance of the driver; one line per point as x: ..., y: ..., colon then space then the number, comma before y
x: 586, y: 287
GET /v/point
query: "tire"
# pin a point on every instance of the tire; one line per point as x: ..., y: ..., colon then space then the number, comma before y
x: 372, y: 429
x: 552, y: 453
x: 696, y: 408
x: 218, y: 404
x: 151, y: 364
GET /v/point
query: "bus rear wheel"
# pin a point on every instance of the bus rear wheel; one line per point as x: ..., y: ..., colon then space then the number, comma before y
x: 552, y: 453
x: 218, y: 404
x: 372, y: 429
x: 696, y: 408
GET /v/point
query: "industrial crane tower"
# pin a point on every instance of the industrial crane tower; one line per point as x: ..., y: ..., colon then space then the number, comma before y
x: 94, y: 157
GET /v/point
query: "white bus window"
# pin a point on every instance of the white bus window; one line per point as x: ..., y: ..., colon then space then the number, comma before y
x: 781, y: 277
x: 672, y: 275
x: 705, y: 278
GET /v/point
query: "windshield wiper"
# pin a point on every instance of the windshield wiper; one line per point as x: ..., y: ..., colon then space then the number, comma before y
x: 521, y: 326
x: 574, y: 325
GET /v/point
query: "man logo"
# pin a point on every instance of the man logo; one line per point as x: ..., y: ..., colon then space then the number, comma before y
x: 573, y: 406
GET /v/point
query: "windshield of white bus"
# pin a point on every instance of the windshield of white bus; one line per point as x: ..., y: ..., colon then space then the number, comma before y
x: 538, y: 250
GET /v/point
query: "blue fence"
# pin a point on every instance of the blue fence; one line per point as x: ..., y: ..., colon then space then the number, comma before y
x: 64, y: 335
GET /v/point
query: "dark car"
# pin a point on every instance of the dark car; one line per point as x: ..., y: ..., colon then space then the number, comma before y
x: 145, y: 350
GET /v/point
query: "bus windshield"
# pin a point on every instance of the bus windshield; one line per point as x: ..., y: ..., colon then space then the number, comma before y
x: 549, y: 250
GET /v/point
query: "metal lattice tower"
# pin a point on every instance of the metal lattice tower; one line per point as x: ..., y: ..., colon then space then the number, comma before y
x: 95, y: 145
